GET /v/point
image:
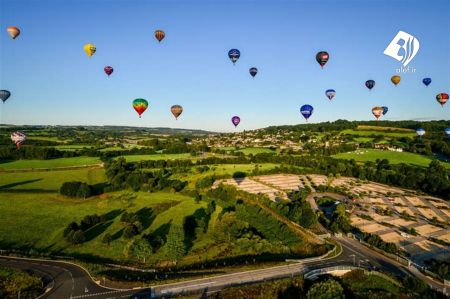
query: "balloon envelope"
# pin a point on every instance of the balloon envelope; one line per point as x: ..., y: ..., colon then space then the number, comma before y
x: 140, y: 105
x: 322, y: 58
x: 330, y: 93
x: 13, y: 32
x: 442, y: 98
x: 306, y: 111
x: 377, y: 112
x: 159, y: 35
x: 235, y: 120
x: 253, y: 71
x: 385, y: 110
x: 90, y: 49
x: 108, y: 70
x: 18, y: 138
x: 370, y: 84
x: 426, y: 81
x: 420, y: 132
x: 447, y: 131
x: 4, y: 95
x: 395, y: 79
x: 234, y: 55
x: 176, y: 110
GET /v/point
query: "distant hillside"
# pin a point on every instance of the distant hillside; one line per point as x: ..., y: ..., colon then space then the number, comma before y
x: 340, y: 125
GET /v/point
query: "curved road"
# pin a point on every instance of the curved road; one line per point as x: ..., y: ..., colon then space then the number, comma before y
x: 71, y: 281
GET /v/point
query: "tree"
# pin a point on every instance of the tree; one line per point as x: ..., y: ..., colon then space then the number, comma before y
x: 141, y: 249
x: 329, y: 289
x: 107, y: 238
x: 21, y: 282
x: 175, y: 247
x: 78, y: 237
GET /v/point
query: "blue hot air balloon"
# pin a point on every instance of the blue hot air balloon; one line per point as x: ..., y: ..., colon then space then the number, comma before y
x: 330, y: 93
x: 420, y: 132
x: 234, y: 55
x: 370, y: 84
x: 426, y: 81
x: 253, y: 71
x: 306, y: 111
x: 385, y: 110
x: 447, y: 131
x: 4, y: 95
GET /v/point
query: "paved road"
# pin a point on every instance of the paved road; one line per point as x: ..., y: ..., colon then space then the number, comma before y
x: 73, y: 282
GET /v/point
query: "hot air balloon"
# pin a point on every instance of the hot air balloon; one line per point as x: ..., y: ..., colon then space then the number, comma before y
x: 442, y: 98
x: 108, y: 70
x: 89, y: 49
x: 306, y: 111
x: 370, y: 84
x: 4, y: 95
x: 253, y: 71
x: 420, y: 132
x: 234, y: 55
x: 176, y: 110
x: 447, y: 131
x: 159, y: 35
x: 377, y: 112
x: 13, y: 32
x: 235, y: 120
x: 426, y: 81
x: 385, y: 109
x: 140, y: 105
x: 330, y: 93
x: 395, y: 79
x: 322, y: 58
x: 18, y: 138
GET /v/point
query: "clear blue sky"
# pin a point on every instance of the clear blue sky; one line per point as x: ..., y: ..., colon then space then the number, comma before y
x: 53, y: 81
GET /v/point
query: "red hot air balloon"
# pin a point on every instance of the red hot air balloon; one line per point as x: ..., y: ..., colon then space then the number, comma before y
x: 322, y: 58
x: 159, y: 35
x: 108, y: 70
x: 442, y: 98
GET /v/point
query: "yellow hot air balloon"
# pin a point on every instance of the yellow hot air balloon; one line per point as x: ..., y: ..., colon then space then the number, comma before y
x: 89, y: 49
x: 395, y: 80
x: 13, y: 31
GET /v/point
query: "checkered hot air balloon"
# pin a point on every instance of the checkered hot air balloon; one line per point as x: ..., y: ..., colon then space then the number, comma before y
x: 18, y: 138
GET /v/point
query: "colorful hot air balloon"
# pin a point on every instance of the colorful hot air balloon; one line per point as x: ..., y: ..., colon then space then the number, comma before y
x: 234, y: 55
x: 176, y: 110
x: 140, y: 105
x: 395, y: 79
x: 442, y: 98
x: 13, y: 32
x: 370, y: 84
x: 4, y: 95
x: 235, y: 120
x: 306, y: 111
x: 385, y: 109
x: 108, y: 70
x: 89, y: 49
x: 330, y: 93
x: 447, y: 131
x: 426, y: 81
x: 420, y: 132
x: 253, y: 71
x: 159, y: 35
x: 18, y: 138
x: 377, y: 112
x: 322, y: 58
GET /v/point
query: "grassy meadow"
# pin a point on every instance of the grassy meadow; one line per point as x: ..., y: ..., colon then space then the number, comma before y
x: 52, y: 163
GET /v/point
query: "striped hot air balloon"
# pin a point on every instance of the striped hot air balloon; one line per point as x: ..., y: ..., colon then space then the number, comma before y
x: 18, y: 138
x: 159, y: 35
x: 140, y: 105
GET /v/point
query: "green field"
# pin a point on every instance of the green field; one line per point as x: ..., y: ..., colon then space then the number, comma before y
x: 367, y: 133
x: 249, y: 150
x: 72, y: 147
x: 49, y: 180
x: 393, y: 157
x: 51, y: 163
x: 137, y: 158
x: 29, y: 220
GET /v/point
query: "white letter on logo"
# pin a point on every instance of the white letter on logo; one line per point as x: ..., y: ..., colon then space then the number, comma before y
x: 403, y: 47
